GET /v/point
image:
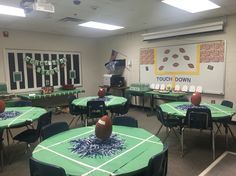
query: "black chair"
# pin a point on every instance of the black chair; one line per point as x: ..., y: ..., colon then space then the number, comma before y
x: 158, y: 164
x: 1, y: 148
x: 228, y: 121
x: 125, y: 121
x: 169, y: 122
x: 96, y: 109
x: 32, y: 135
x: 76, y: 111
x: 200, y: 118
x: 225, y: 121
x: 22, y: 103
x: 120, y: 109
x: 38, y: 168
x: 53, y: 129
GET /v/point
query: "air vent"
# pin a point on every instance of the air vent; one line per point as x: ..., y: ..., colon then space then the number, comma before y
x: 71, y: 19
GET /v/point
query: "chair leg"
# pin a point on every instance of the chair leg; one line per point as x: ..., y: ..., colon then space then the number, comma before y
x: 159, y: 130
x: 226, y: 135
x: 231, y: 133
x: 213, y: 144
x: 169, y: 130
x: 182, y: 142
x: 71, y: 121
x: 218, y: 127
x: 8, y: 140
x: 1, y: 155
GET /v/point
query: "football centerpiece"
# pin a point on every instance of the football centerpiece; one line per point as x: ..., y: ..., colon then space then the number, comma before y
x: 103, y: 128
x: 2, y: 106
x: 101, y: 93
x: 101, y: 144
x: 196, y: 98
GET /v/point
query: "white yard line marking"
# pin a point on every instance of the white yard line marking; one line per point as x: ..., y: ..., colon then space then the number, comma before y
x: 97, y: 168
x: 37, y: 150
x: 176, y: 110
x: 73, y: 160
x: 137, y: 138
x: 227, y: 113
x: 19, y: 117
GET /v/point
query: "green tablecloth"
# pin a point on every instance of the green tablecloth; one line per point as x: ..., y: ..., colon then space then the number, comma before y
x: 27, y: 114
x: 140, y: 147
x: 218, y: 112
x: 112, y: 101
x: 168, y: 95
x: 59, y: 92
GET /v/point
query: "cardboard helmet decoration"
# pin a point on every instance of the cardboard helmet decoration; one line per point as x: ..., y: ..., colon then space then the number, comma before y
x: 103, y: 128
x: 2, y: 106
x: 196, y: 98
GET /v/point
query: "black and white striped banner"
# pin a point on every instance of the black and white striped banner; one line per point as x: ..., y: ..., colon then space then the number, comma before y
x: 24, y: 74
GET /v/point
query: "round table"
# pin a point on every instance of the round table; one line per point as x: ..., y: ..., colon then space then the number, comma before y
x: 27, y: 113
x: 218, y: 111
x: 109, y: 101
x: 140, y: 146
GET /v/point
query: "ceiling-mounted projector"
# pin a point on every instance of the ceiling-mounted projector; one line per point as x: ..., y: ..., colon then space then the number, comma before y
x: 44, y: 7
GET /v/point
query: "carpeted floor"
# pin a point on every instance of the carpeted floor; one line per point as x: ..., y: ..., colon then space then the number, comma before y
x: 197, y: 157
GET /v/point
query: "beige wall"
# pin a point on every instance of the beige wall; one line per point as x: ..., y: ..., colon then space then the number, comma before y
x: 91, y: 72
x: 95, y: 53
x: 130, y: 45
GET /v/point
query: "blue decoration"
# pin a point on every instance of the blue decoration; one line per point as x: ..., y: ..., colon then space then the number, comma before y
x: 102, y: 99
x: 185, y: 107
x: 93, y: 147
x: 9, y: 114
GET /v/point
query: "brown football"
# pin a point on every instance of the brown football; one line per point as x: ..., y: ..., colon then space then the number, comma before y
x: 2, y: 106
x: 101, y: 93
x: 196, y: 98
x: 103, y: 128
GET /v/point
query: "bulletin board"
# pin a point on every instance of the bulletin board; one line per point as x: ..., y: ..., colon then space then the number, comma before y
x: 198, y: 64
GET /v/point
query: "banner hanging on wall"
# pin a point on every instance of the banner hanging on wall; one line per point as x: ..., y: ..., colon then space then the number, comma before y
x: 39, y: 65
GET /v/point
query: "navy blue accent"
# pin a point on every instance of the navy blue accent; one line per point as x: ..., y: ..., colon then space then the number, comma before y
x: 102, y: 99
x: 9, y: 114
x: 186, y: 107
x: 93, y: 147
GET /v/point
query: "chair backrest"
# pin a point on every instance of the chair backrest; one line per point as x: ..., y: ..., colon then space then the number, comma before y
x: 72, y: 108
x: 96, y: 108
x: 158, y: 164
x: 121, y: 109
x: 227, y: 103
x: 125, y: 121
x: 160, y: 116
x: 199, y: 118
x: 38, y: 168
x: 53, y: 129
x: 22, y: 103
x: 44, y: 120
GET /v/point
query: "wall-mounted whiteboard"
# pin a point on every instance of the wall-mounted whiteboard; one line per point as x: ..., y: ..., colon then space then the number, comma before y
x: 198, y: 64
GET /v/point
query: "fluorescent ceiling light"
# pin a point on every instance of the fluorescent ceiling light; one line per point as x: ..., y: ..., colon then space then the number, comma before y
x: 192, y: 6
x: 8, y: 10
x: 103, y: 26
